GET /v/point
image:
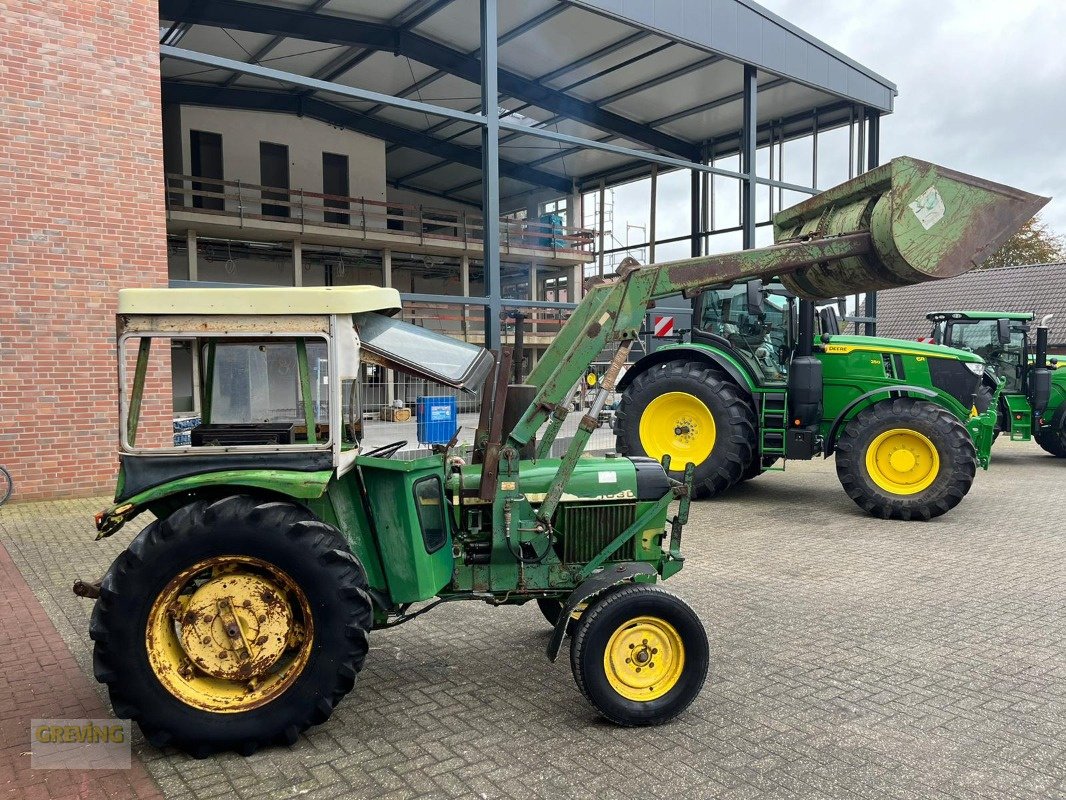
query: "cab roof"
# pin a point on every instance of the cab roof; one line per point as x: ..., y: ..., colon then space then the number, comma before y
x: 258, y: 300
x: 937, y: 316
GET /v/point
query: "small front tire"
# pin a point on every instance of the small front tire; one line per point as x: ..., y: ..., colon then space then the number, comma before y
x: 640, y: 655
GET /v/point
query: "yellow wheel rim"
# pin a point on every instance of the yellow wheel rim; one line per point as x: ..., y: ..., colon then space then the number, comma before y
x: 644, y: 658
x: 229, y: 634
x: 679, y: 425
x: 902, y: 461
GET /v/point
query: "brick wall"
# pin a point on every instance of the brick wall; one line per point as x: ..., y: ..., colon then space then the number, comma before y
x: 81, y: 215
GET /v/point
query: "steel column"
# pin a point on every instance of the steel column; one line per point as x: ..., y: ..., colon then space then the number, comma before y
x: 747, y: 156
x: 695, y: 212
x: 490, y: 173
x: 873, y: 159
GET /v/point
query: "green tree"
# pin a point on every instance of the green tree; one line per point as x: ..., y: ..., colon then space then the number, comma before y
x: 1035, y: 243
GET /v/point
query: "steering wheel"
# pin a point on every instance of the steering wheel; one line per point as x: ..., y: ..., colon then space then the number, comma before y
x: 386, y: 450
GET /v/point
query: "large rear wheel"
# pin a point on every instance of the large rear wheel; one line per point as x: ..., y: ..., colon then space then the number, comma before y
x: 231, y: 625
x: 906, y: 459
x: 690, y: 412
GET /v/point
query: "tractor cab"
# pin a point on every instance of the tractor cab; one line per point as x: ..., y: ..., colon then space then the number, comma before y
x: 998, y: 337
x: 261, y: 378
x: 754, y: 321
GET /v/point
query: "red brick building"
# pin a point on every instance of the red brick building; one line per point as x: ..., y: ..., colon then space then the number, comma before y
x: 81, y: 215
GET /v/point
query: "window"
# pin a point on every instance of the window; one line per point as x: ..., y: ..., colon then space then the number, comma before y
x: 274, y: 172
x: 429, y: 503
x: 205, y: 157
x: 335, y: 182
x: 982, y: 337
x: 761, y: 340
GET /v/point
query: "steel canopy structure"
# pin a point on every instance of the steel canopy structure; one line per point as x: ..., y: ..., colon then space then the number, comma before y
x: 501, y: 105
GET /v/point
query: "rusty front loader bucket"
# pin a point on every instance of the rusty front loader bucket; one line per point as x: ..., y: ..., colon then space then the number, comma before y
x: 926, y: 222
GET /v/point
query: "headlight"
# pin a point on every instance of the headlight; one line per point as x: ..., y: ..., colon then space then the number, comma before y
x: 976, y: 369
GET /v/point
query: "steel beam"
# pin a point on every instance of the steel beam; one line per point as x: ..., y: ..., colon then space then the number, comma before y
x: 490, y: 172
x: 278, y: 21
x: 286, y: 102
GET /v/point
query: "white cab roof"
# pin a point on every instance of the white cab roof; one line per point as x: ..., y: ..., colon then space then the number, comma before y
x: 279, y: 300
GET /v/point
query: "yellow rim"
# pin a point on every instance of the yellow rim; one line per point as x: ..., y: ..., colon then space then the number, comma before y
x: 229, y: 634
x: 679, y: 425
x: 644, y: 658
x: 902, y: 461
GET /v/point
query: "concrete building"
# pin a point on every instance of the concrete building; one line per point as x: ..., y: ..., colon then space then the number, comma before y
x: 329, y: 142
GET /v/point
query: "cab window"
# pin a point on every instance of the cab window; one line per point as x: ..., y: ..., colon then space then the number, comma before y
x: 761, y: 339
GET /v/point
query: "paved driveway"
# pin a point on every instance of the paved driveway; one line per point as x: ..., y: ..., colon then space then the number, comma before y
x: 852, y: 658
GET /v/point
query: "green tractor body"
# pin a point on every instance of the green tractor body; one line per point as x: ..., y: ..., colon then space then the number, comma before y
x: 241, y: 614
x: 1032, y: 403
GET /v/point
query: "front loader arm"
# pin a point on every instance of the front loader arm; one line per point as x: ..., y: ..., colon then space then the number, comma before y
x: 614, y: 311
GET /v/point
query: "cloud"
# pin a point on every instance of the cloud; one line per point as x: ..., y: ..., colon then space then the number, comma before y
x: 982, y: 89
x: 982, y: 83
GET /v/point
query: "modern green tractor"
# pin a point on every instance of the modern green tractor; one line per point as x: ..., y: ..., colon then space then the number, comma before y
x: 766, y: 376
x: 240, y: 615
x: 1032, y: 404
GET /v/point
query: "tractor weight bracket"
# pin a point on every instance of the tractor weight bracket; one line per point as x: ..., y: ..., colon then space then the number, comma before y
x: 594, y: 585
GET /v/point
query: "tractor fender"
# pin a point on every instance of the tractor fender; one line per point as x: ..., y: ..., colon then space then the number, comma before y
x: 687, y: 353
x: 285, y: 484
x: 592, y: 586
x: 841, y: 418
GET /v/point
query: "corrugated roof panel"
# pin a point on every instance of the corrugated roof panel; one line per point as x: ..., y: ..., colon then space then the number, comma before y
x: 747, y: 32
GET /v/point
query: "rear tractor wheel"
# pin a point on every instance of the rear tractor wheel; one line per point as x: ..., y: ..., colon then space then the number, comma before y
x: 689, y: 412
x: 906, y: 459
x: 639, y: 655
x: 231, y: 625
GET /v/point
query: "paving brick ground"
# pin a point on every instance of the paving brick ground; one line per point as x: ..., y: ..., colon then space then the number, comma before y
x: 852, y: 658
x: 40, y: 679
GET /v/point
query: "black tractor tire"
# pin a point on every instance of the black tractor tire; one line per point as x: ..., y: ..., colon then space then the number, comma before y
x: 1053, y: 438
x: 954, y: 448
x: 551, y: 609
x: 316, y: 558
x: 734, y: 420
x: 609, y: 617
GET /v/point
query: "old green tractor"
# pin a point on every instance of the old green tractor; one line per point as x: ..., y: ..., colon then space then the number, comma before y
x: 1032, y: 404
x: 241, y: 614
x: 766, y: 376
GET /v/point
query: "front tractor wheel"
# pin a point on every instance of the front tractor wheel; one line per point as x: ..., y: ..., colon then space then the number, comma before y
x: 640, y: 655
x: 906, y: 459
x: 689, y: 412
x: 1053, y: 439
x: 231, y: 625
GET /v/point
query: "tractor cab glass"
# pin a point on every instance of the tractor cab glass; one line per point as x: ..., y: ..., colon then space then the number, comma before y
x: 761, y: 339
x: 417, y: 351
x: 982, y: 337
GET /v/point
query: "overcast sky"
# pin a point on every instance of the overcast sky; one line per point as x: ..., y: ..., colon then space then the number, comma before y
x: 982, y: 89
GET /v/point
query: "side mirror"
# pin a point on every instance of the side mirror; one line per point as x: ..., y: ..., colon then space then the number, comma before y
x: 753, y: 298
x: 1003, y: 331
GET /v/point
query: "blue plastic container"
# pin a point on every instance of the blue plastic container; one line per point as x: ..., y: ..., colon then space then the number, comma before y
x: 438, y: 419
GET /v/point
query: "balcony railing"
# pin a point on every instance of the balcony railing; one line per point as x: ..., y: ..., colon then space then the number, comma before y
x: 359, y: 214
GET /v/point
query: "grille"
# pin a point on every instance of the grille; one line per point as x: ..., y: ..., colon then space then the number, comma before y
x: 954, y: 378
x: 585, y: 529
